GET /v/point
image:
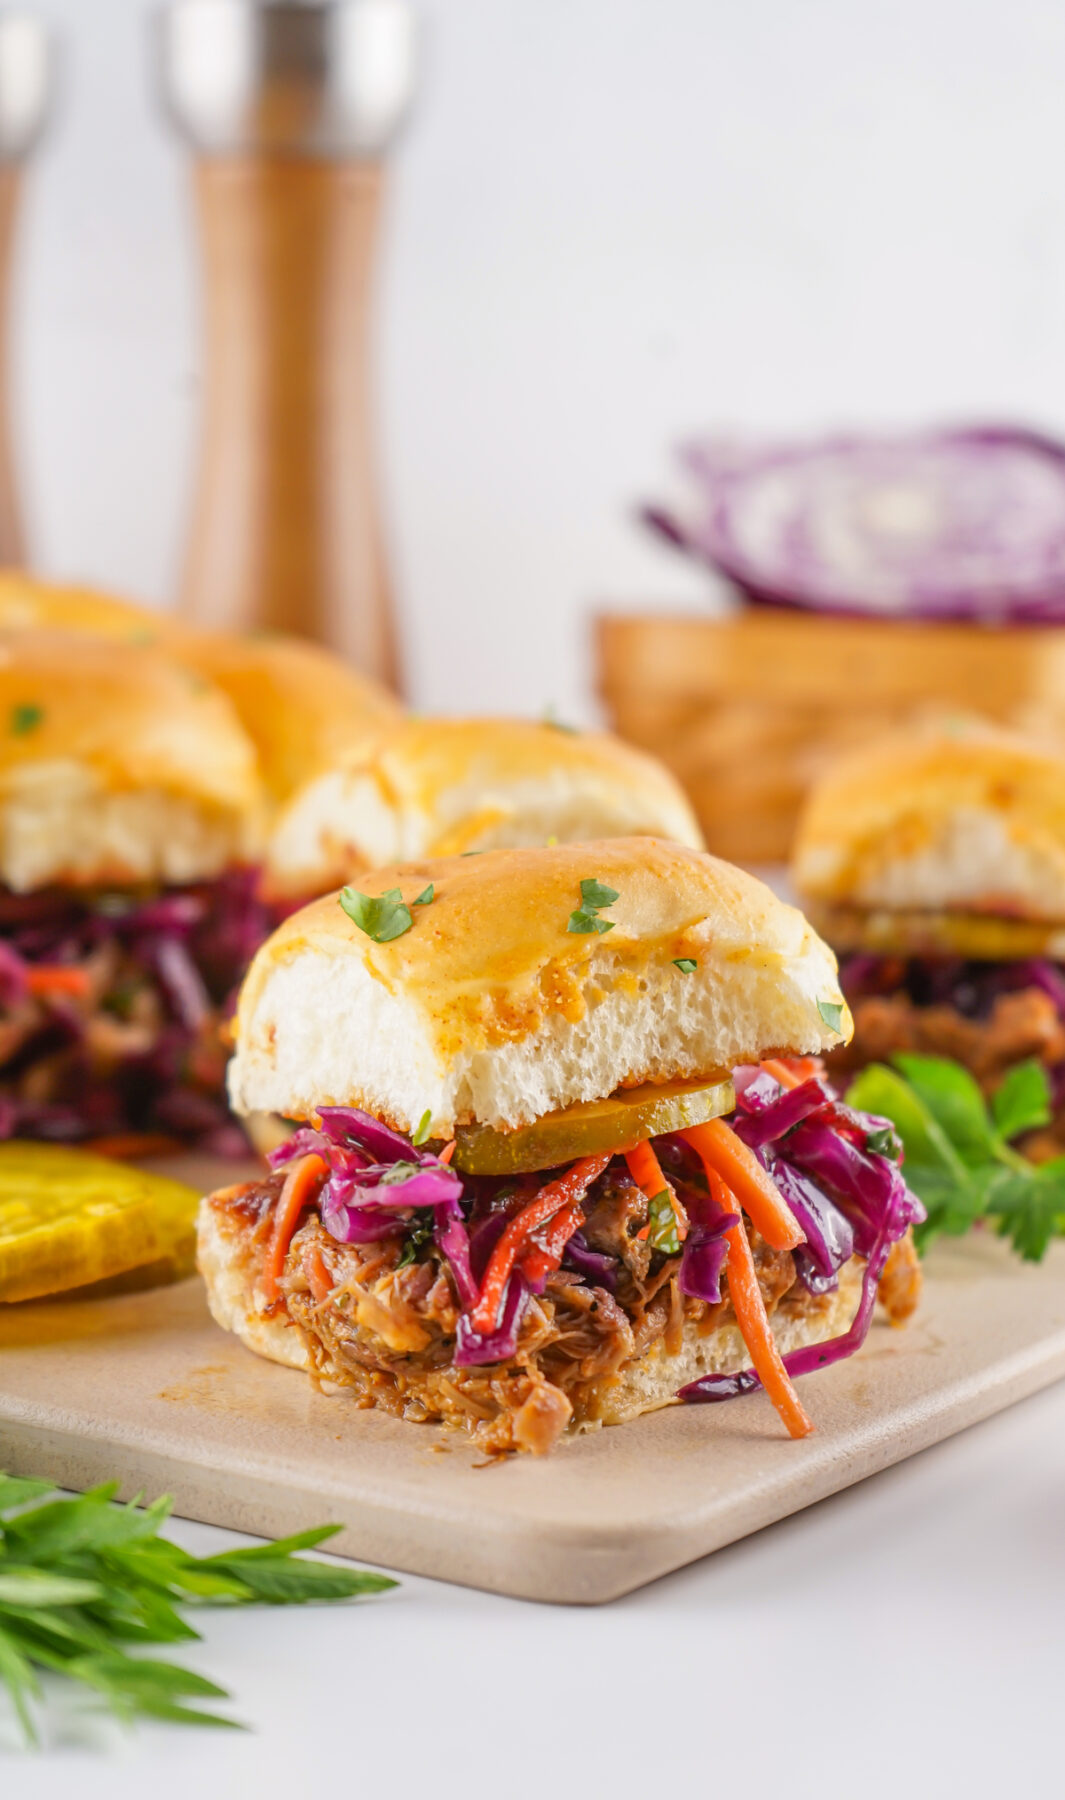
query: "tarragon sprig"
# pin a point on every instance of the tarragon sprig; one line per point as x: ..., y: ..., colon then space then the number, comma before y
x: 81, y: 1579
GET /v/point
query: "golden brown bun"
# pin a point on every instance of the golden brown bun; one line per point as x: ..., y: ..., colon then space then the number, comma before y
x: 490, y: 1009
x: 117, y: 765
x: 304, y: 708
x: 642, y: 1385
x: 27, y: 604
x: 964, y: 819
x: 438, y: 787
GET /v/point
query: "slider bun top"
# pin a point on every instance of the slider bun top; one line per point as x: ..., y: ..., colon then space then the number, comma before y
x: 438, y: 787
x: 956, y: 817
x: 27, y: 604
x: 117, y: 766
x: 488, y: 1009
x: 304, y: 708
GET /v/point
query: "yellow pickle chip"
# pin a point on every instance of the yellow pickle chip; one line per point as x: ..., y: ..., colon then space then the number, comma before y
x: 70, y: 1219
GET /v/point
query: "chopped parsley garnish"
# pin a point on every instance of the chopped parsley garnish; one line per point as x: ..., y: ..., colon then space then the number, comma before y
x: 398, y: 1172
x: 25, y: 717
x: 425, y: 896
x: 554, y: 723
x: 959, y: 1154
x: 420, y: 1133
x: 594, y: 896
x: 832, y: 1013
x: 420, y: 1234
x: 662, y: 1232
x: 686, y: 964
x: 382, y: 917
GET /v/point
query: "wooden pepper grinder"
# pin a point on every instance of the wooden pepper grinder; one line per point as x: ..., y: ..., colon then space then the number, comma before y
x: 289, y: 108
x: 26, y: 86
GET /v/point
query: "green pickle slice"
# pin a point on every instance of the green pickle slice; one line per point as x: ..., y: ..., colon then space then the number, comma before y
x: 617, y: 1123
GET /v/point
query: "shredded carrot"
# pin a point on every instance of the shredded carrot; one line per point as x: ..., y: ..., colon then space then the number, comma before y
x: 562, y: 1192
x: 125, y: 1144
x: 300, y: 1182
x: 447, y: 1152
x: 646, y: 1172
x: 544, y: 1253
x: 752, y: 1318
x: 43, y: 979
x: 780, y: 1071
x: 753, y: 1187
x: 318, y: 1276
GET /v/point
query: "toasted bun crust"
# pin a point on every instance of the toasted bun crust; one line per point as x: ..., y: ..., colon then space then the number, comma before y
x: 28, y: 604
x: 489, y: 1009
x: 117, y: 765
x: 304, y: 708
x: 965, y: 820
x: 437, y: 787
x: 643, y: 1385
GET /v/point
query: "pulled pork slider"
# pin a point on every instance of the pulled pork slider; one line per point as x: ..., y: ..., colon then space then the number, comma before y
x: 934, y: 863
x: 567, y: 1154
x: 444, y: 787
x: 129, y: 821
x: 303, y: 708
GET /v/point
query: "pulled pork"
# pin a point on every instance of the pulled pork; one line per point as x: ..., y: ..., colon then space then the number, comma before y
x: 383, y: 1328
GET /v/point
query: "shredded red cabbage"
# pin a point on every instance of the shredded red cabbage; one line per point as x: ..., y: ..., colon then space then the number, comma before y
x: 705, y: 1249
x: 595, y: 1265
x: 959, y: 523
x: 475, y: 1347
x: 970, y: 987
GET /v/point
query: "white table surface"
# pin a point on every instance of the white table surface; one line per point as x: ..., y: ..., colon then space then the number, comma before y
x: 903, y: 1639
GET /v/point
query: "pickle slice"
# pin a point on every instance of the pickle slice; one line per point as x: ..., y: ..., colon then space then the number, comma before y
x: 617, y: 1123
x: 69, y: 1219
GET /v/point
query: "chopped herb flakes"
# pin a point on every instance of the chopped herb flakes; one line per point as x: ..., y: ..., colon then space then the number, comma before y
x: 594, y: 896
x: 686, y: 964
x: 25, y: 717
x: 425, y: 896
x: 421, y: 1131
x: 832, y: 1013
x: 382, y: 918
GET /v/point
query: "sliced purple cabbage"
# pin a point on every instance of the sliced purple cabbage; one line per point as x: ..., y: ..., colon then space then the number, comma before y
x: 829, y: 1233
x: 963, y: 523
x: 595, y: 1265
x: 358, y: 1224
x: 705, y: 1250
x: 970, y: 987
x: 344, y: 1123
x: 452, y: 1240
x: 475, y: 1347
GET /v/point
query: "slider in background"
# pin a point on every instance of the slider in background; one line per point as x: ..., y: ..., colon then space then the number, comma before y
x: 130, y: 832
x: 445, y: 787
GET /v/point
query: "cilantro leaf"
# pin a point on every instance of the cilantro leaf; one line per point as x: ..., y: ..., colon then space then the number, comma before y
x: 832, y: 1013
x: 686, y: 964
x: 382, y: 917
x: 594, y: 895
x: 1022, y: 1100
x: 420, y: 1234
x: 955, y: 1102
x: 426, y: 895
x: 420, y: 1133
x: 582, y: 921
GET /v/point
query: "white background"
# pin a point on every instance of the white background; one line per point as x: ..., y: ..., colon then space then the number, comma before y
x: 612, y: 222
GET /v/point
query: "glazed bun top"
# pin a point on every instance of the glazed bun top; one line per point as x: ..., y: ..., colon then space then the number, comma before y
x: 304, y: 708
x: 439, y: 787
x: 490, y: 1006
x: 117, y: 765
x: 27, y: 604
x: 957, y: 817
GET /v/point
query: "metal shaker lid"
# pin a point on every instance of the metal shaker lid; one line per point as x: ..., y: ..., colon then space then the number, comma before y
x: 26, y: 82
x: 318, y: 78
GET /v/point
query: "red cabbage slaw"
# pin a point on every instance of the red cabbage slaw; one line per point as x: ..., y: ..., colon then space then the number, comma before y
x: 848, y: 1195
x: 970, y: 987
x: 73, y: 1071
x: 961, y: 523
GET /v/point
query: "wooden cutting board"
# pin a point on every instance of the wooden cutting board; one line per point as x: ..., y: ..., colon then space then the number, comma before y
x: 146, y: 1387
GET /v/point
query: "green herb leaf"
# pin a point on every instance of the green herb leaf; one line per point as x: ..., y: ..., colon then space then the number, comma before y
x: 954, y: 1100
x: 1022, y: 1100
x: 420, y: 1133
x: 425, y: 896
x: 663, y: 1234
x: 420, y: 1234
x: 884, y: 1141
x: 82, y: 1578
x: 25, y: 717
x: 594, y: 894
x: 382, y: 918
x: 686, y: 964
x: 582, y: 921
x: 554, y: 723
x: 832, y: 1013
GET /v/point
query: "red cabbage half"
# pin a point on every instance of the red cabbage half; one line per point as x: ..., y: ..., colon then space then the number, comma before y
x: 964, y: 523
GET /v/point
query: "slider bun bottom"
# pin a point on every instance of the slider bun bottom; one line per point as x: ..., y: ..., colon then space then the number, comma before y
x: 644, y: 1385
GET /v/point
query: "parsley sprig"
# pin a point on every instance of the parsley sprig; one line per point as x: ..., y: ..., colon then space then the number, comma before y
x: 960, y: 1154
x: 594, y: 896
x: 383, y: 916
x: 82, y: 1579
